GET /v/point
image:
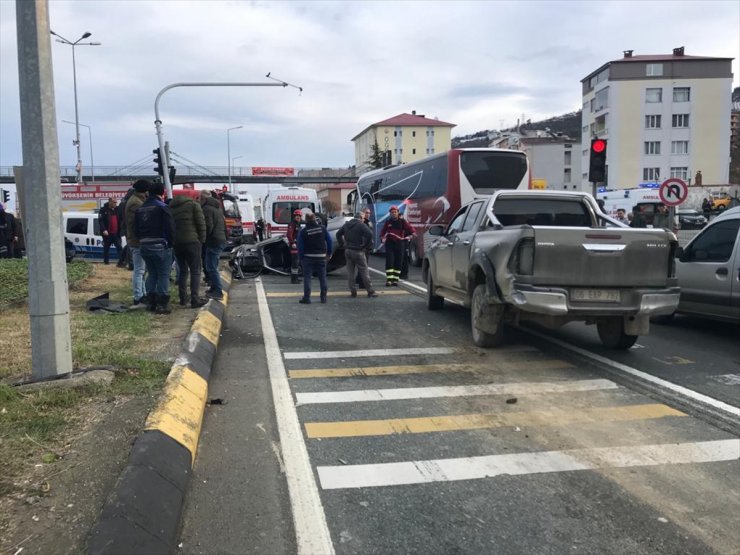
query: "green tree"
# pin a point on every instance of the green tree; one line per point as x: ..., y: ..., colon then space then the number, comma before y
x: 376, y: 156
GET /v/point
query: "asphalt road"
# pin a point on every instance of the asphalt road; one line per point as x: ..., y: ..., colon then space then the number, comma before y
x: 375, y: 426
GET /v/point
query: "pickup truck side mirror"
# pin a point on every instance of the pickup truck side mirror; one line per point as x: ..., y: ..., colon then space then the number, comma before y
x: 436, y: 230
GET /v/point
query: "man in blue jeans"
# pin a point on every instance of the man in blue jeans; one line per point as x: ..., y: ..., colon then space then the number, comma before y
x: 137, y: 198
x: 155, y: 230
x: 215, y: 242
x: 314, y: 249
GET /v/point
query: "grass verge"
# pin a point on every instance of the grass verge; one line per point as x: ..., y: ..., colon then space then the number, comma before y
x: 14, y: 278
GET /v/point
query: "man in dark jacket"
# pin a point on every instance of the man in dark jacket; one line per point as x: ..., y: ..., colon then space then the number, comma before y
x: 190, y: 234
x: 121, y: 213
x: 110, y: 229
x: 141, y: 188
x: 215, y: 242
x: 314, y: 249
x: 357, y: 239
x: 8, y: 233
x: 155, y: 231
x: 259, y: 229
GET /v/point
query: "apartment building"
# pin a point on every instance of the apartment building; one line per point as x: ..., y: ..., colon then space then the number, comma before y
x: 408, y: 137
x: 663, y: 116
x: 554, y: 159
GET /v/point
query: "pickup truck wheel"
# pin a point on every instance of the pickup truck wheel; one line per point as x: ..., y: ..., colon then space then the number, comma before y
x: 611, y: 333
x: 414, y: 258
x: 434, y: 302
x: 482, y: 338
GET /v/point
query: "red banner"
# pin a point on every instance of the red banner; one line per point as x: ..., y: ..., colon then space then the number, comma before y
x: 265, y: 170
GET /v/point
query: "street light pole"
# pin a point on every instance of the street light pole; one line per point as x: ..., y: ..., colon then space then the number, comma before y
x: 158, y: 122
x: 228, y: 152
x: 61, y: 39
x: 89, y: 135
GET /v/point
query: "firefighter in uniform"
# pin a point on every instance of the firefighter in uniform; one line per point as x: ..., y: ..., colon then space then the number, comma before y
x: 293, y: 228
x: 396, y: 231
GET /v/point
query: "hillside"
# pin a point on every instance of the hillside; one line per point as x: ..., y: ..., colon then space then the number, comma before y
x: 568, y: 124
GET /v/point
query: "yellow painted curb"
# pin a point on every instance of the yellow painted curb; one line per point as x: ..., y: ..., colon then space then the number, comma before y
x: 208, y: 326
x: 179, y: 413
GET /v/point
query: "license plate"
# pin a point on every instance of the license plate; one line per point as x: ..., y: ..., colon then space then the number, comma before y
x: 596, y: 295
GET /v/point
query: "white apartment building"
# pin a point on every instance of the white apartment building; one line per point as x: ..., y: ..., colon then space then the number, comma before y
x: 662, y: 115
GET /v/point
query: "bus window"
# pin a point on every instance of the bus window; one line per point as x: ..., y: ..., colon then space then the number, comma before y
x: 488, y: 171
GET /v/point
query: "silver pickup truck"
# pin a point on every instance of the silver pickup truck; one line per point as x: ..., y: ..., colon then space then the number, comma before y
x: 551, y: 257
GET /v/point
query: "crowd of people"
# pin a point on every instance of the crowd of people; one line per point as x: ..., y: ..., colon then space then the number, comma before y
x: 189, y: 229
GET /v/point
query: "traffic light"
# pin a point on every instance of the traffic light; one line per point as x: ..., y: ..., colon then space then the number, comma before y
x: 159, y: 168
x: 173, y: 171
x: 597, y: 161
x: 6, y: 196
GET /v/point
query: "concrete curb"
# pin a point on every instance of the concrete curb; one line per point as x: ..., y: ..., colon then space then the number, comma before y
x: 142, y: 514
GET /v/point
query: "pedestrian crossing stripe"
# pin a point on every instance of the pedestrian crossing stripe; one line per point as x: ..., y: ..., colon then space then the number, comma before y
x: 361, y: 371
x: 297, y: 294
x: 461, y: 422
x: 517, y: 464
x: 524, y: 388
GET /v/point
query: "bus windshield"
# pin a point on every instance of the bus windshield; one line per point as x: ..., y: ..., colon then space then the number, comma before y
x: 489, y: 171
x: 283, y: 211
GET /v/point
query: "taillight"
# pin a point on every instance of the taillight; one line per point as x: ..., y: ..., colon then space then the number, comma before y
x: 522, y: 261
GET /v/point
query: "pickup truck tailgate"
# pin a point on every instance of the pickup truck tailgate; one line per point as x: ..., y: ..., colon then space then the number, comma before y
x: 602, y: 257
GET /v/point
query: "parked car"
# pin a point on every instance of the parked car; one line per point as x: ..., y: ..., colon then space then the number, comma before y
x: 708, y: 270
x: 551, y: 257
x: 691, y: 219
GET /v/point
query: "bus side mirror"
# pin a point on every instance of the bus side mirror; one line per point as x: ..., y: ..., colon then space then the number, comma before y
x: 436, y: 230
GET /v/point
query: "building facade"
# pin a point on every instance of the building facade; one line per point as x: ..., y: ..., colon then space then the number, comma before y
x: 408, y: 137
x: 662, y: 115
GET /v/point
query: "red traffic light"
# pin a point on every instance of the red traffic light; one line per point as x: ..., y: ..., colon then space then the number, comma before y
x: 598, y: 146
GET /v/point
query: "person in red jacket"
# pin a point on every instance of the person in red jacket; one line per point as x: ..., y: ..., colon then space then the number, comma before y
x: 293, y: 228
x: 396, y: 231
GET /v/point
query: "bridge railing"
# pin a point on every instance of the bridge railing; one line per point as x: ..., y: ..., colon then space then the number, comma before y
x: 148, y: 170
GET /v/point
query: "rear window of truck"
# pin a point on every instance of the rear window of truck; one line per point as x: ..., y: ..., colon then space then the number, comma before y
x: 560, y: 213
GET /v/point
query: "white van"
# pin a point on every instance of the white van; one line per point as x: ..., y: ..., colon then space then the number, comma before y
x: 83, y: 231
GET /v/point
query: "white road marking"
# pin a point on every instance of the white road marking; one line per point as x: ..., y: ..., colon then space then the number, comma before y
x: 312, y: 532
x: 680, y: 390
x: 524, y: 388
x: 471, y: 468
x: 369, y: 353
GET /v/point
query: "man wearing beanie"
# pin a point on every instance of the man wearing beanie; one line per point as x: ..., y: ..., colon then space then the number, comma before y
x: 141, y: 188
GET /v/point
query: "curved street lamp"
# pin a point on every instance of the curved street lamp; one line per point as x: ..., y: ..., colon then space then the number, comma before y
x: 228, y: 150
x: 89, y: 134
x: 61, y: 39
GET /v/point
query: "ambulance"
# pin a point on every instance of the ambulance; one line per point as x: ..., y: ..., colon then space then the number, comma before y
x: 279, y: 205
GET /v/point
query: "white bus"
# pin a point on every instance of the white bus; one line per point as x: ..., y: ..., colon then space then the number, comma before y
x: 430, y: 191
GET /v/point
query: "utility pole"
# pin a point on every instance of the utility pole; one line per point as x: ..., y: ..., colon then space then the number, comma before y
x: 48, y: 299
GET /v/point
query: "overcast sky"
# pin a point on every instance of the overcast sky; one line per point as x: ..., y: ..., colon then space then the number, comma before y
x: 474, y: 64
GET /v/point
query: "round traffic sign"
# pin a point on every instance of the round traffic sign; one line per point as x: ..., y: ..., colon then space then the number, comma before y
x: 673, y: 191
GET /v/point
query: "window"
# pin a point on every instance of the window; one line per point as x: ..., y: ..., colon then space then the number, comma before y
x: 593, y: 103
x: 679, y: 147
x: 602, y: 99
x: 652, y: 147
x: 681, y: 173
x: 567, y: 158
x: 457, y: 221
x: 680, y: 120
x: 652, y: 122
x: 77, y: 225
x: 654, y: 95
x: 473, y: 212
x: 715, y: 244
x: 413, y: 133
x: 681, y: 94
x: 413, y: 151
x: 654, y: 70
x: 566, y: 175
x: 651, y: 174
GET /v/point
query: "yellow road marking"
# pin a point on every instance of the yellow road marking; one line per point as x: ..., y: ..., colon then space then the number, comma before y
x: 179, y: 413
x: 359, y: 371
x: 554, y: 417
x: 208, y: 326
x: 277, y: 294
